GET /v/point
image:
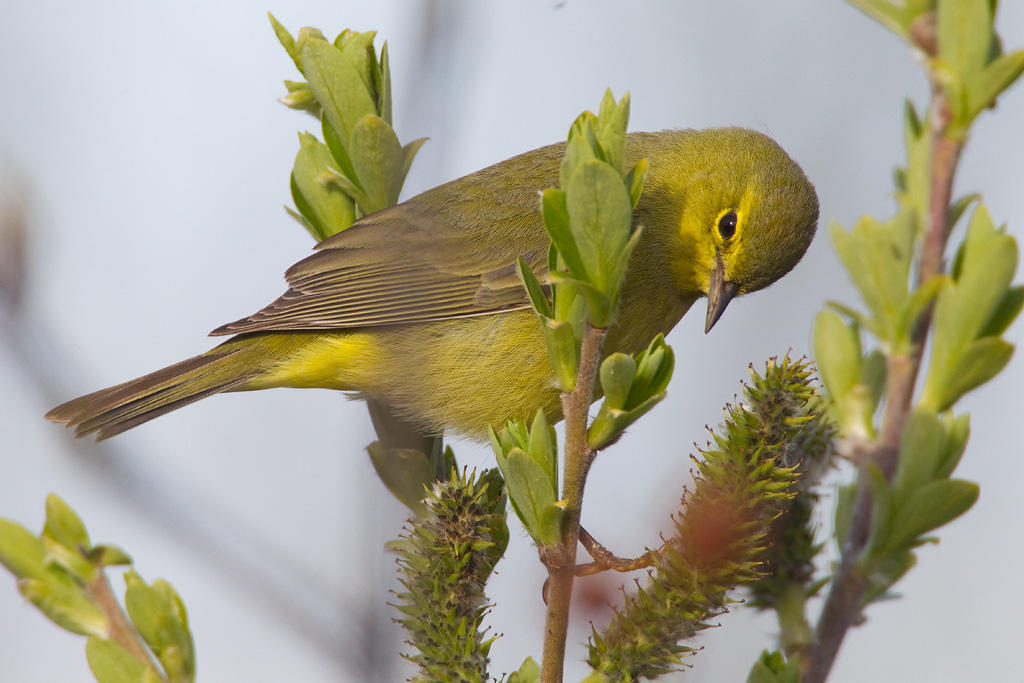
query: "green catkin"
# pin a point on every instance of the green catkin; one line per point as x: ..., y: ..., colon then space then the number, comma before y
x: 745, y: 480
x: 445, y: 558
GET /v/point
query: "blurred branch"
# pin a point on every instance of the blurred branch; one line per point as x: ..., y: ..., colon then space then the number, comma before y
x: 847, y: 595
x: 13, y: 222
x: 845, y: 599
x: 121, y: 630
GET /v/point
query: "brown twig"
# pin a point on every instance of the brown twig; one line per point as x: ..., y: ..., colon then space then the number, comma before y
x: 843, y: 606
x: 605, y: 559
x: 560, y: 559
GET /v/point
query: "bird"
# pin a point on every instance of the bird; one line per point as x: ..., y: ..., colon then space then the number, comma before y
x: 419, y: 309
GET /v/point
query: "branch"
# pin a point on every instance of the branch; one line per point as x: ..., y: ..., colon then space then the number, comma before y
x: 561, y: 559
x: 605, y: 559
x: 845, y: 599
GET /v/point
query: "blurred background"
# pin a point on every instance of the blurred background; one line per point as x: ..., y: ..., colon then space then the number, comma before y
x: 145, y: 158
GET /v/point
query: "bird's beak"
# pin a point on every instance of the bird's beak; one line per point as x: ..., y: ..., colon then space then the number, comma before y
x: 720, y: 293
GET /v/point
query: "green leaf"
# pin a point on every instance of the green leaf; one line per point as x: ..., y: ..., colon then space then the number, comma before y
x: 635, y: 181
x: 339, y: 150
x: 515, y: 433
x: 66, y: 605
x: 853, y: 385
x: 338, y: 86
x: 921, y: 453
x: 872, y: 377
x: 64, y: 526
x: 159, y: 616
x: 409, y: 151
x: 600, y: 219
x: 111, y: 663
x: 837, y: 354
x: 958, y: 430
x: 331, y: 178
x: 358, y: 49
x: 596, y: 304
x: 617, y: 372
x: 918, y: 171
x: 65, y: 539
x: 406, y: 472
x: 104, y: 555
x: 899, y: 180
x: 931, y: 506
x: 914, y: 307
x: 324, y: 205
x: 559, y: 336
x: 301, y: 98
x: 772, y: 667
x: 965, y: 35
x: 378, y: 160
x: 301, y: 220
x: 530, y: 491
x: 567, y: 303
x: 855, y: 316
x: 305, y: 215
x: 556, y: 221
x: 983, y: 272
x: 878, y: 257
x: 612, y: 119
x: 286, y: 40
x: 563, y: 352
x: 384, y: 84
x: 21, y: 551
x: 305, y: 34
x: 582, y: 146
x: 888, y: 571
x: 655, y: 365
x: 609, y: 423
x: 984, y: 88
x: 1005, y: 312
x: 72, y: 560
x: 529, y: 672
x: 534, y: 291
x: 542, y: 447
x: 881, y: 513
x: 845, y: 496
x: 959, y: 206
x: 978, y: 362
x: 550, y: 523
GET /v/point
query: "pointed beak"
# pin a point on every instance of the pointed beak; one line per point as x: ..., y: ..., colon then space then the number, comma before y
x: 720, y: 293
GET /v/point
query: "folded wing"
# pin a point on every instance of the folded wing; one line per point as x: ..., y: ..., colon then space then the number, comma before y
x: 447, y: 253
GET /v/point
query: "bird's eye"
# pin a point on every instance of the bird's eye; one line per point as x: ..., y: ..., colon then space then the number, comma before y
x: 727, y: 225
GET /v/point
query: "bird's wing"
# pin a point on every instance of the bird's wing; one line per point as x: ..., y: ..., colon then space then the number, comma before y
x: 447, y: 253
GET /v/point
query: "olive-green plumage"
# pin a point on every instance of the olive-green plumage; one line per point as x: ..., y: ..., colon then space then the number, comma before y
x: 419, y: 306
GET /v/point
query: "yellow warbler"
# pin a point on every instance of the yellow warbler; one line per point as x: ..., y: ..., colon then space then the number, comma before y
x: 419, y: 306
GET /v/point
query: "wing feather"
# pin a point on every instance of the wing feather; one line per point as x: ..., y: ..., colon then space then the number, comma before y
x: 447, y: 253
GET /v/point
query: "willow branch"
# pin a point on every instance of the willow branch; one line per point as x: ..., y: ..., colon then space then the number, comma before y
x: 560, y: 559
x: 846, y: 596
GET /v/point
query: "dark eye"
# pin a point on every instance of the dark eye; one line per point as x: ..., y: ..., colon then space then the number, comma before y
x: 727, y: 225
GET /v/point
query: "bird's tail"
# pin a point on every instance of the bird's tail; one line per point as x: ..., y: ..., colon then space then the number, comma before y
x: 111, y: 411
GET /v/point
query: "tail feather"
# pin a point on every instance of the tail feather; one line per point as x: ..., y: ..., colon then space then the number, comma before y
x: 110, y: 411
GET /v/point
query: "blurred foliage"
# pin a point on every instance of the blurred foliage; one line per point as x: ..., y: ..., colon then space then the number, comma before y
x: 62, y: 573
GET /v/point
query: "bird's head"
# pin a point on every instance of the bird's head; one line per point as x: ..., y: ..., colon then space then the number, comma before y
x: 748, y: 214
